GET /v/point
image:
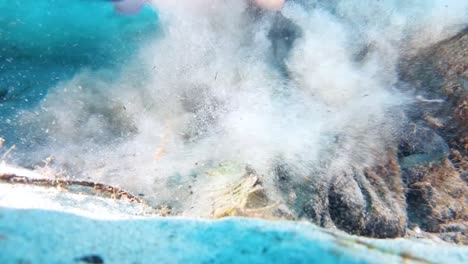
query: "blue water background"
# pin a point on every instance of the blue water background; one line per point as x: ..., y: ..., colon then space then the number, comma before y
x: 48, y: 41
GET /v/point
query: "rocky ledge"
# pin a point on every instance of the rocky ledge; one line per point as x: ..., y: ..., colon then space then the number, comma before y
x: 419, y: 189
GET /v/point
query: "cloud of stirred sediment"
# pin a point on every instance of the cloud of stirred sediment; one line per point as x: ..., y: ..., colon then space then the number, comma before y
x: 314, y: 87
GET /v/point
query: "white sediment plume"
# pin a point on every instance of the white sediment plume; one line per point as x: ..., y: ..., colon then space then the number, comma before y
x: 206, y: 91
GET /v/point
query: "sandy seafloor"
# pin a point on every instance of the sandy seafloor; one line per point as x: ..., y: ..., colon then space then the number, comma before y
x: 41, y: 225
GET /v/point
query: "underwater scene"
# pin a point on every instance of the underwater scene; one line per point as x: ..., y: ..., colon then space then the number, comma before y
x: 245, y: 131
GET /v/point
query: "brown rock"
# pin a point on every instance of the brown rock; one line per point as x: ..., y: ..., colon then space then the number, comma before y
x: 436, y: 196
x: 369, y: 202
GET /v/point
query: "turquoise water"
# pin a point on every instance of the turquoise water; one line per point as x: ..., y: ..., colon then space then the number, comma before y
x: 48, y: 41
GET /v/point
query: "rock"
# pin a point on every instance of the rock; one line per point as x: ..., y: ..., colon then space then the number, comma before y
x: 224, y: 190
x: 420, y: 145
x: 247, y: 197
x: 435, y: 172
x: 347, y: 204
x: 436, y: 195
x: 440, y: 72
x: 385, y: 214
x: 297, y: 196
x: 369, y: 203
